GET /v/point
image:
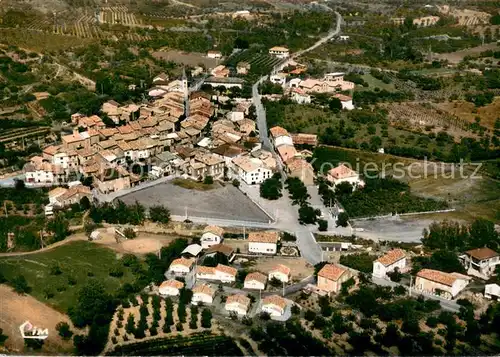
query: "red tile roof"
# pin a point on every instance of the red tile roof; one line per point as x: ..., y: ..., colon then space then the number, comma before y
x: 331, y: 272
x: 392, y: 257
x: 482, y: 253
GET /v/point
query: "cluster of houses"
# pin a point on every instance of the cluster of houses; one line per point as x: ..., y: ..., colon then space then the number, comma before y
x: 300, y: 90
x: 294, y: 161
x: 175, y: 134
x: 262, y: 243
x: 480, y: 263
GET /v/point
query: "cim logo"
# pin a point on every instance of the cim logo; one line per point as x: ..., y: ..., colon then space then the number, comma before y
x: 28, y: 330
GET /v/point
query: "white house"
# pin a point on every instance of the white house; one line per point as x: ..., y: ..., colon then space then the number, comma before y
x: 299, y: 96
x: 279, y: 51
x: 225, y: 274
x: 445, y: 285
x: 181, y: 266
x: 480, y: 262
x: 345, y: 100
x: 274, y: 305
x: 237, y: 303
x: 342, y: 173
x: 170, y: 287
x: 344, y: 37
x: 255, y: 281
x: 214, y: 54
x: 212, y: 235
x: 294, y: 82
x: 392, y: 260
x: 222, y: 273
x: 249, y: 171
x: 280, y: 136
x: 492, y: 291
x: 280, y: 272
x: 278, y: 78
x: 203, y: 293
x: 263, y: 242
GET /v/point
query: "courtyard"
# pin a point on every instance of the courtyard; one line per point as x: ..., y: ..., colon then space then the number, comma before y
x: 224, y: 202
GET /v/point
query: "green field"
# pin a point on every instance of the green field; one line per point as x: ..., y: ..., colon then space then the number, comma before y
x: 201, y: 344
x: 77, y: 260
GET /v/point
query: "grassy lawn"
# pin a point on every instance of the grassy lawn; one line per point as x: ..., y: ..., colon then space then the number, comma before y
x: 374, y: 83
x: 192, y: 185
x: 76, y: 260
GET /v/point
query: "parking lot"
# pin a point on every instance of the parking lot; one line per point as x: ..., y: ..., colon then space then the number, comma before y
x: 227, y: 202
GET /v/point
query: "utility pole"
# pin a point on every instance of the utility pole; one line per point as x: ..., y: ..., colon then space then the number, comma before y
x: 283, y: 289
x: 411, y: 281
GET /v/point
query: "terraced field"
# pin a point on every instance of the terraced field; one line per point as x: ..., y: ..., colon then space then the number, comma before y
x: 259, y: 63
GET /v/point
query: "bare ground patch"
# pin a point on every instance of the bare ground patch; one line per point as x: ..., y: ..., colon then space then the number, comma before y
x: 16, y: 309
x: 467, y: 111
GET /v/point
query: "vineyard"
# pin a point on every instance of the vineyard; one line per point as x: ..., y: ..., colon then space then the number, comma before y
x: 118, y: 15
x: 259, y: 63
x: 200, y: 344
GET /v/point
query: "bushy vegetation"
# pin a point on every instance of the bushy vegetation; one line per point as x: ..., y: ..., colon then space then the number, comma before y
x: 361, y: 261
x: 456, y: 236
x: 384, y: 196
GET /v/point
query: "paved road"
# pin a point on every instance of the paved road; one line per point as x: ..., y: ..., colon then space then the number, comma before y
x: 308, y: 246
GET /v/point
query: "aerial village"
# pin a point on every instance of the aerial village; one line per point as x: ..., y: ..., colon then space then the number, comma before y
x: 183, y: 133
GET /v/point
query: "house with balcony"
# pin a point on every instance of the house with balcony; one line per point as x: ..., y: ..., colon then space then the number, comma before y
x: 212, y: 235
x: 279, y: 52
x: 480, y: 262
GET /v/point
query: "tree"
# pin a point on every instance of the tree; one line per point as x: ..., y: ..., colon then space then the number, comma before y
x: 129, y: 233
x: 236, y: 183
x: 395, y: 275
x: 208, y: 180
x: 308, y: 215
x: 64, y: 330
x: 85, y: 203
x: 322, y: 225
x: 130, y: 326
x: 19, y: 185
x: 270, y: 189
x: 58, y: 225
x: 391, y: 335
x: 92, y: 301
x: 335, y: 104
x: 483, y: 234
x: 20, y: 285
x: 206, y: 318
x: 3, y: 337
x: 342, y: 219
x: 343, y: 189
x: 159, y: 214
